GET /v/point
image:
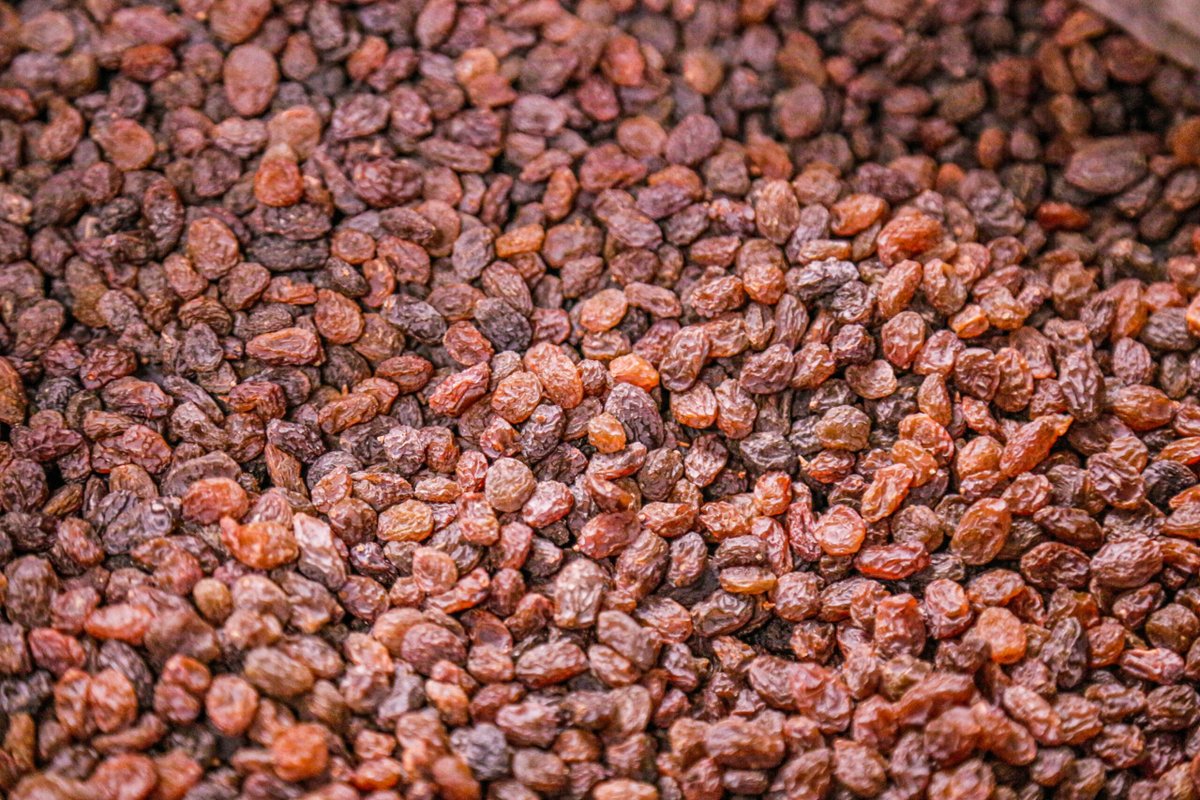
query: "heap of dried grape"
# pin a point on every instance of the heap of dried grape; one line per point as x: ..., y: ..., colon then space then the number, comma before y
x: 716, y: 398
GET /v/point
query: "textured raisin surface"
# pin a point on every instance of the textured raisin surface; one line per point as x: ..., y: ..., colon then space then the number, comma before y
x: 597, y: 399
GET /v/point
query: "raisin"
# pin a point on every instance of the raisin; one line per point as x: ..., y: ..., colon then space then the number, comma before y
x: 596, y: 403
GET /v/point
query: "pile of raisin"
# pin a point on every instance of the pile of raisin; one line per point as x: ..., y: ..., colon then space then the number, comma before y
x: 597, y: 400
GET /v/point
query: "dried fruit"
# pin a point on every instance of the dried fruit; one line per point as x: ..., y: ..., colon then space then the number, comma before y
x: 514, y: 400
